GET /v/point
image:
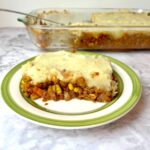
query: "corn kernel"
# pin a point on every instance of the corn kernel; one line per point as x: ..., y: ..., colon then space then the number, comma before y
x: 22, y: 82
x: 92, y: 96
x: 58, y: 89
x: 70, y: 86
x: 27, y: 78
x: 34, y: 96
x: 76, y: 90
x: 53, y: 88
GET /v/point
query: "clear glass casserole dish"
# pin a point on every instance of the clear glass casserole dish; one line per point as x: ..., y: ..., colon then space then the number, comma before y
x: 105, y: 29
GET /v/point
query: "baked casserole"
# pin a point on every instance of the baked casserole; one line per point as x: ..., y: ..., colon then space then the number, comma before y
x: 91, y: 29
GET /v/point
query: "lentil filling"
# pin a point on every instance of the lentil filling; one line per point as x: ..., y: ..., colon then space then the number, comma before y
x: 57, y: 90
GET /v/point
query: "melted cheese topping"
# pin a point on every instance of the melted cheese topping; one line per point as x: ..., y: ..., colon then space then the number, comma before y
x: 96, y: 70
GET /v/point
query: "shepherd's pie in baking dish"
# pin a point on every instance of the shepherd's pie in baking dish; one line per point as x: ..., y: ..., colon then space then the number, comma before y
x: 65, y: 75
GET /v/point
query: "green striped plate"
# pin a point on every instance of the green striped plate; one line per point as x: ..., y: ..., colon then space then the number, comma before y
x: 75, y: 113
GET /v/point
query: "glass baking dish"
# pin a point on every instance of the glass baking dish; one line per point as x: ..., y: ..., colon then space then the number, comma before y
x: 90, y: 29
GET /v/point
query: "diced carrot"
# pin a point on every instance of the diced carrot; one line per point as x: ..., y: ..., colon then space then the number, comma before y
x: 38, y: 91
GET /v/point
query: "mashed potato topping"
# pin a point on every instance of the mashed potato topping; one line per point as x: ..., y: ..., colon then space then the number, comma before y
x: 66, y: 66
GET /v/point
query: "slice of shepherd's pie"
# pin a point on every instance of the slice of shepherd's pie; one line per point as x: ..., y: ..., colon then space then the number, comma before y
x: 66, y: 75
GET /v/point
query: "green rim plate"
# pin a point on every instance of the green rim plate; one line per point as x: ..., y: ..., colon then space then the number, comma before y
x: 65, y: 124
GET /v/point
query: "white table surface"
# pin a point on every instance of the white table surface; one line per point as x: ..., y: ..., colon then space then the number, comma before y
x: 132, y: 132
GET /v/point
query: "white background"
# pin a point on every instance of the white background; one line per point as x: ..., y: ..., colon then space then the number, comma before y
x: 7, y: 19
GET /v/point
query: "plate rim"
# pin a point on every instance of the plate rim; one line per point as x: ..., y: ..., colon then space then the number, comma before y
x: 73, y: 124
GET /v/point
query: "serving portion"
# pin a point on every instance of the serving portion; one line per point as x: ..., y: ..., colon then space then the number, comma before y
x: 91, y: 29
x: 65, y: 75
